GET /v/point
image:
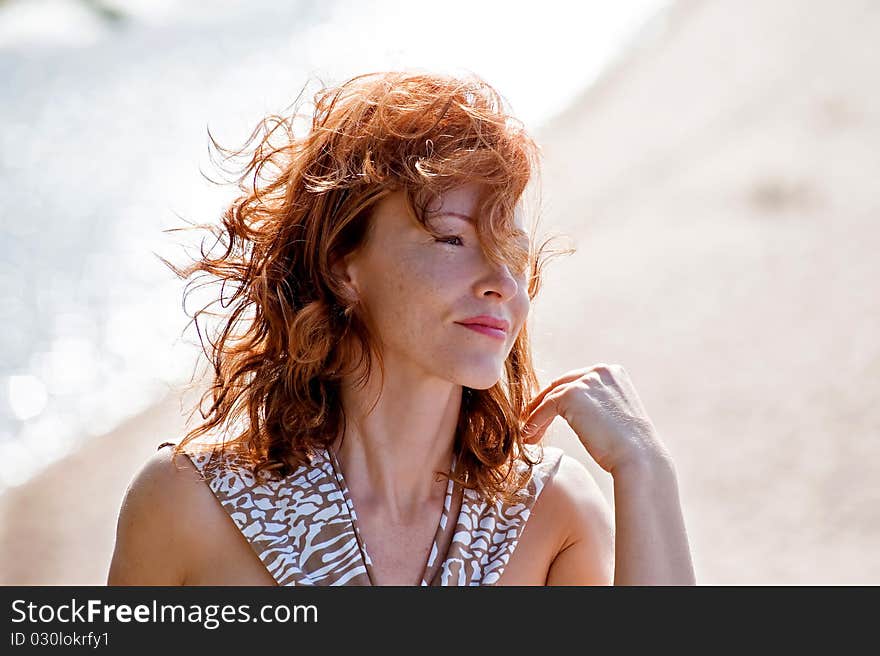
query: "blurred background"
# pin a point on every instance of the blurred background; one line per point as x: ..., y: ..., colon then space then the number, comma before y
x: 715, y: 164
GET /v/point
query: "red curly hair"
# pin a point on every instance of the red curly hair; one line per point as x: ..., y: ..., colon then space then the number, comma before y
x: 306, y: 201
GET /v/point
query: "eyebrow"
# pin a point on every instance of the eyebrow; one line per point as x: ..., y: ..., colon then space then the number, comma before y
x: 469, y: 219
x: 460, y: 216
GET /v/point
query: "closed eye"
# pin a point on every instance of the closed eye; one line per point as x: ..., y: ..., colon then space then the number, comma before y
x: 448, y: 240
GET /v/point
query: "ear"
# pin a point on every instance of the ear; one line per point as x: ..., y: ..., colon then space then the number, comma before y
x: 345, y: 269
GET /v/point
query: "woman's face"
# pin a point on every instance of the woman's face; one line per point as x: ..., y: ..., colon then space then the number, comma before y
x: 417, y: 289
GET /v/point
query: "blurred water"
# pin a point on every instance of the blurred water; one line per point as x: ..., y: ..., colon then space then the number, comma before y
x: 104, y: 117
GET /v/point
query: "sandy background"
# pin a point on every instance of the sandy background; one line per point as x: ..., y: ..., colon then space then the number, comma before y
x: 721, y: 186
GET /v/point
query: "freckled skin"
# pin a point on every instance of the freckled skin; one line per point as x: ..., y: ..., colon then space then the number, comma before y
x: 416, y: 288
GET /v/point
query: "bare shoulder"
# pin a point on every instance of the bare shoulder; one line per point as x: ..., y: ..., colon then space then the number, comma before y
x: 160, y: 522
x: 577, y: 504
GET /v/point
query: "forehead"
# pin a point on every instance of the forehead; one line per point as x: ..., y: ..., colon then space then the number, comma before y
x: 391, y: 219
x: 461, y: 202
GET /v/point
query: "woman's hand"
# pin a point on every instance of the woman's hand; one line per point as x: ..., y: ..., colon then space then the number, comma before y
x: 601, y: 405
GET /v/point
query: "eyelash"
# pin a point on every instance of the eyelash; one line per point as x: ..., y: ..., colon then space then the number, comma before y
x: 445, y: 240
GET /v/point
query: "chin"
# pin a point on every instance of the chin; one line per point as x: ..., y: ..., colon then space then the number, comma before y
x: 481, y: 380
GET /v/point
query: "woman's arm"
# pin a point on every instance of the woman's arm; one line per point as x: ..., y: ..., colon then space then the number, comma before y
x: 643, y: 542
x: 601, y: 405
x: 151, y: 535
x: 586, y: 556
x: 651, y: 545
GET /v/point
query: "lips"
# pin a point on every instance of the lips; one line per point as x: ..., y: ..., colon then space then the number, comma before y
x: 485, y: 330
x: 488, y: 321
x: 487, y: 325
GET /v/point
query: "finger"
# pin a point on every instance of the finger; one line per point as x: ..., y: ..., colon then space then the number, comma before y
x: 565, y: 378
x: 535, y: 436
x: 610, y: 374
x: 534, y: 431
x: 538, y: 421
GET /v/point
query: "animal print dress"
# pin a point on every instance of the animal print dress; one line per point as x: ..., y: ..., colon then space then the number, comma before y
x: 305, y: 530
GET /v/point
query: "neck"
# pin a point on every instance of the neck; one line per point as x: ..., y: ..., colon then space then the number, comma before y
x: 389, y: 455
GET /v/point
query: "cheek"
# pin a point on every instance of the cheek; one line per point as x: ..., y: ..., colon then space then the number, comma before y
x: 523, y: 306
x: 403, y: 296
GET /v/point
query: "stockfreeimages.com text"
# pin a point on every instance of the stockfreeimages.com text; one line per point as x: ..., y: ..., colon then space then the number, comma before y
x: 209, y: 615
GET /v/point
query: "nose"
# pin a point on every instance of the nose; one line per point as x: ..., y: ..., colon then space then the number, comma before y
x: 500, y: 281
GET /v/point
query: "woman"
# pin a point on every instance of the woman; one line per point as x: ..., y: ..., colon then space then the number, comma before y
x: 374, y: 416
